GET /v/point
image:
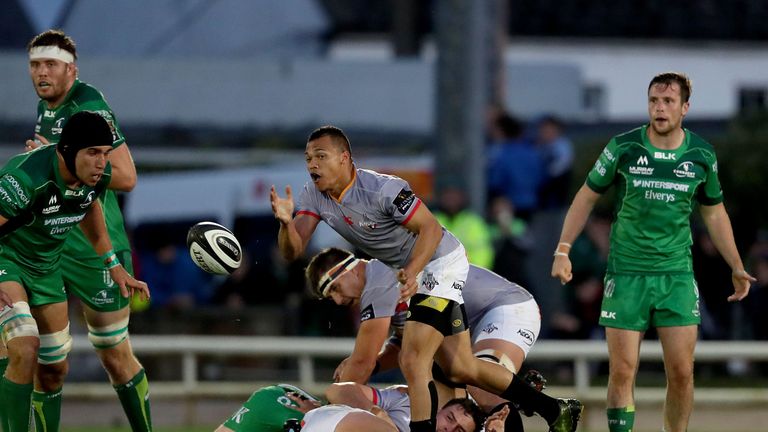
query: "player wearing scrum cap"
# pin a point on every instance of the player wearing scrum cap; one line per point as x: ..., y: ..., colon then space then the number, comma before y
x: 54, y: 74
x: 504, y: 322
x: 44, y: 195
x: 382, y: 216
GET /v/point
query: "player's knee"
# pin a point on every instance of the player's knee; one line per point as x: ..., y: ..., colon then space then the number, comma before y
x: 109, y: 336
x: 51, y: 376
x: 679, y: 373
x: 54, y: 347
x: 17, y: 322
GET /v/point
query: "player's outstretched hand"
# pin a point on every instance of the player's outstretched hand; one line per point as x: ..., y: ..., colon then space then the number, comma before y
x: 561, y: 269
x: 408, y: 285
x: 5, y: 301
x: 741, y: 283
x: 128, y: 285
x: 282, y: 207
x: 304, y: 405
x: 495, y: 422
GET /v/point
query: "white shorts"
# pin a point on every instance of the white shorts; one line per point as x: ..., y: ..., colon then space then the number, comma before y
x: 516, y: 323
x: 326, y: 418
x: 445, y: 277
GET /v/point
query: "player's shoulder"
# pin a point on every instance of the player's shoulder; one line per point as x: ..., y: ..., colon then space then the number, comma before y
x: 371, y: 178
x: 84, y: 93
x: 695, y: 141
x: 634, y: 136
x: 33, y: 167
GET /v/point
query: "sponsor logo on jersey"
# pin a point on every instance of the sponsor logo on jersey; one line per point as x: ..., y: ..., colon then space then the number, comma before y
x: 238, y: 416
x: 527, y: 335
x: 102, y: 298
x: 48, y: 114
x: 642, y: 160
x: 457, y: 323
x: 610, y: 286
x: 641, y: 167
x: 429, y: 282
x: 695, y: 311
x: 3, y: 272
x: 64, y: 220
x: 5, y: 196
x: 88, y: 200
x: 458, y: 285
x: 367, y: 313
x: 489, y: 328
x: 607, y: 315
x: 73, y: 193
x: 52, y: 207
x: 600, y: 168
x: 685, y: 170
x: 404, y: 200
x: 714, y: 167
x: 660, y: 184
x: 608, y: 154
x: 20, y: 194
x: 664, y: 156
x: 369, y: 225
x: 659, y: 196
x: 57, y: 126
x: 60, y: 230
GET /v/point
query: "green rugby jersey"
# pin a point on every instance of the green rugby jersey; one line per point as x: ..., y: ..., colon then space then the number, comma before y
x: 265, y: 411
x: 84, y: 97
x: 41, y: 209
x: 656, y: 192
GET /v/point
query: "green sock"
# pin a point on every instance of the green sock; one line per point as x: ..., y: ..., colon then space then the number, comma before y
x: 16, y: 403
x: 134, y: 396
x: 621, y: 419
x: 46, y: 406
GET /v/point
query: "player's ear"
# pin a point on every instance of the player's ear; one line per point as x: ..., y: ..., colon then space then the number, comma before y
x: 686, y: 105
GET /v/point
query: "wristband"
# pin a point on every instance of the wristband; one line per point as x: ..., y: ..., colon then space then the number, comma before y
x: 558, y: 253
x: 568, y: 245
x: 110, y: 259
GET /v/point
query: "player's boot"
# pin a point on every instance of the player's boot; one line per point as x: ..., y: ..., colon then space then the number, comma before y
x: 570, y: 413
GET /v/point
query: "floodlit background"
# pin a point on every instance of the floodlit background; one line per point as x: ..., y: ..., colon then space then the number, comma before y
x: 491, y: 106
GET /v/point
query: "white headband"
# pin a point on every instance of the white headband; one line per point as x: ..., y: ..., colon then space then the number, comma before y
x: 334, y: 273
x: 51, y: 52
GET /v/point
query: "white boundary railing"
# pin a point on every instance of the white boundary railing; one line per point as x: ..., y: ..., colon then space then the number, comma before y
x: 307, y: 349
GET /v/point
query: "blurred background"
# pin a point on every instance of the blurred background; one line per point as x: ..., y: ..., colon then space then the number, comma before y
x: 493, y: 110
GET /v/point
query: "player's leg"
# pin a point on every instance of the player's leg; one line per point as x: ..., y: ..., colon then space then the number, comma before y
x: 108, y: 332
x: 623, y: 359
x: 52, y: 365
x: 678, y: 344
x: 107, y: 314
x: 420, y: 343
x: 18, y: 331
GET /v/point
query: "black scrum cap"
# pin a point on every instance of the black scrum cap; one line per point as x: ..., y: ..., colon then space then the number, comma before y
x: 84, y: 129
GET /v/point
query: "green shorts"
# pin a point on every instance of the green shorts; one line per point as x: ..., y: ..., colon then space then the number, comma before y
x: 42, y: 289
x: 635, y: 302
x: 92, y: 283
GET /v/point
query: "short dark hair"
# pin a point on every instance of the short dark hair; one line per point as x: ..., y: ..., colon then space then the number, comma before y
x: 471, y: 408
x: 54, y: 37
x: 339, y: 138
x: 668, y: 78
x: 319, y: 264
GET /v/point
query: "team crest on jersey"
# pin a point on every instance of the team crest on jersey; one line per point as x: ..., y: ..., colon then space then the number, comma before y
x: 57, y: 126
x: 429, y: 282
x: 88, y: 199
x: 489, y: 328
x: 404, y: 200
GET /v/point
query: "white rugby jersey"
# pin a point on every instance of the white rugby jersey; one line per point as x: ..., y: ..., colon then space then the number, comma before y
x: 371, y: 215
x: 484, y: 291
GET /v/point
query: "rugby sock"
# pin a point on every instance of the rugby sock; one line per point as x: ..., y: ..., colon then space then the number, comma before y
x: 134, y: 396
x: 16, y: 399
x: 530, y: 399
x: 431, y: 424
x: 621, y: 419
x: 46, y: 406
x: 433, y: 396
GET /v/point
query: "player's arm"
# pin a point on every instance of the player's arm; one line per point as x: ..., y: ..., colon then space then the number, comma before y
x: 351, y: 394
x: 575, y: 219
x: 123, y: 169
x: 718, y: 224
x: 95, y: 229
x: 295, y: 232
x: 429, y: 233
x: 370, y: 338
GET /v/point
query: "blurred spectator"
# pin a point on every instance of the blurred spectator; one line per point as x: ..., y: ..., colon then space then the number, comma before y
x: 515, y: 168
x: 713, y: 278
x: 511, y: 241
x: 174, y: 280
x: 584, y: 296
x: 468, y: 227
x: 557, y: 151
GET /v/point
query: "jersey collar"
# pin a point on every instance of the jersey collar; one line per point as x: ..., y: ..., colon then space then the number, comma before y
x: 348, y: 187
x: 662, y: 154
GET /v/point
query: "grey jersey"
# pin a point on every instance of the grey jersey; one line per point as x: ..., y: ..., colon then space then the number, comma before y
x: 371, y: 216
x: 484, y: 291
x: 395, y: 401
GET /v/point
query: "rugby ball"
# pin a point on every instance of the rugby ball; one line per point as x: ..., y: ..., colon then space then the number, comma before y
x: 214, y: 248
